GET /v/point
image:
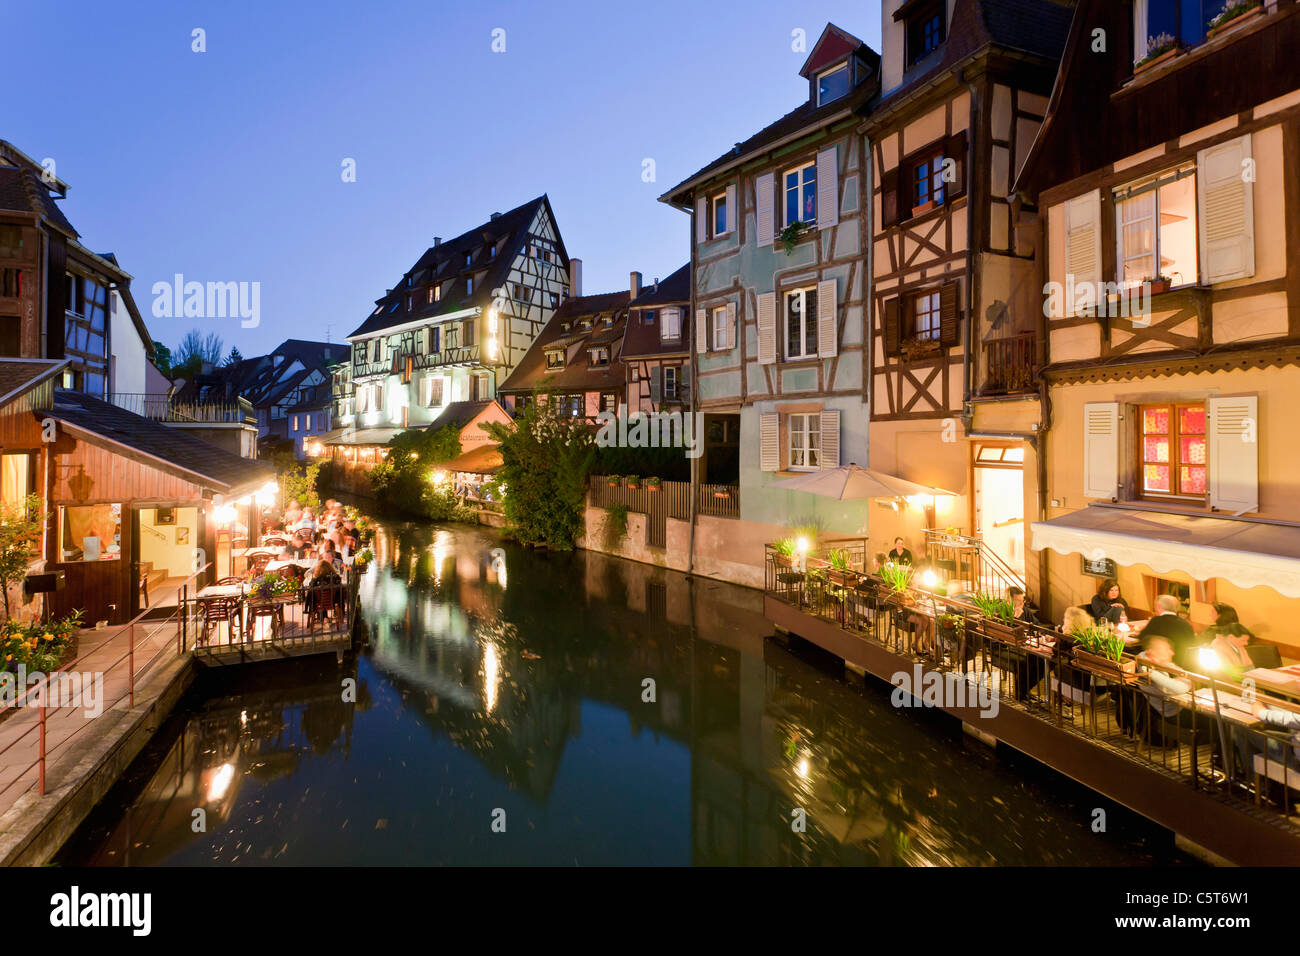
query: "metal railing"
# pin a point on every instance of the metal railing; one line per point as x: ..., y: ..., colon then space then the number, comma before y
x: 970, y: 560
x: 1010, y: 364
x: 1199, y: 726
x: 313, y: 617
x: 50, y: 695
x: 167, y: 408
x: 673, y: 497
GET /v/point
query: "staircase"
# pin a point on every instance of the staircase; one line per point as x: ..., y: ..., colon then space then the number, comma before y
x: 969, y: 560
x: 153, y: 578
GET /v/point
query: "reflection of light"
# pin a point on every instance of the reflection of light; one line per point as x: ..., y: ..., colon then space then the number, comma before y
x: 266, y: 494
x: 491, y: 676
x: 220, y: 782
x: 917, y: 501
x: 1208, y: 658
x: 499, y: 565
x: 803, y: 767
x: 440, y: 554
x: 243, y: 718
x: 1123, y: 627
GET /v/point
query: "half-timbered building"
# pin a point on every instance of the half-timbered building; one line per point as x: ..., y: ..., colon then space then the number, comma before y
x: 953, y: 398
x: 1167, y: 187
x: 657, y: 346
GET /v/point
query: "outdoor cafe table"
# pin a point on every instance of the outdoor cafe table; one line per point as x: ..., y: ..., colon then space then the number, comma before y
x: 1280, y: 680
x: 305, y: 563
x: 215, y: 592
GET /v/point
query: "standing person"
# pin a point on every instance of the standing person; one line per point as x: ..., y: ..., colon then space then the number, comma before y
x: 1108, y: 604
x: 899, y: 554
x: 1169, y: 626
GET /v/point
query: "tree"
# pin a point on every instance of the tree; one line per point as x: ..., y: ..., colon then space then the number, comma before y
x: 545, y: 460
x: 162, y: 358
x: 20, y: 531
x: 196, y: 349
x: 234, y: 357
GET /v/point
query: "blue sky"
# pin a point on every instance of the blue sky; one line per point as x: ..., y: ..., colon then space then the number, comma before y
x: 226, y: 165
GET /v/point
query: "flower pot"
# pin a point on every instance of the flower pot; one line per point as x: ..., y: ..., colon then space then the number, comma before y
x: 783, y: 560
x: 1013, y: 633
x: 722, y: 494
x: 1239, y: 19
x: 1159, y: 286
x: 651, y: 487
x: 842, y: 578
x: 923, y: 208
x: 1103, y: 665
x: 1155, y: 61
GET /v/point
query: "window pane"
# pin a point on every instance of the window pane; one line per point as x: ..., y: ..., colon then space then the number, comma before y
x: 1191, y: 420
x: 1191, y: 479
x: 1155, y: 421
x: 833, y: 85
x: 1155, y: 449
x: 1178, y: 259
x: 1191, y: 450
x: 1155, y: 477
x: 810, y: 194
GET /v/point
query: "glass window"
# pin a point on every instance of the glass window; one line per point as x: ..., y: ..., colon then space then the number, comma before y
x: 925, y: 317
x: 801, y: 195
x: 721, y: 334
x: 832, y: 84
x: 90, y: 533
x: 15, y: 477
x: 1156, y: 232
x: 927, y: 181
x: 671, y: 329
x: 805, y: 442
x: 925, y: 32
x: 719, y: 214
x: 670, y: 381
x: 1173, y: 450
x: 801, y: 324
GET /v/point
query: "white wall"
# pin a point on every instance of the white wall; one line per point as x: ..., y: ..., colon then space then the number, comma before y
x: 127, y: 349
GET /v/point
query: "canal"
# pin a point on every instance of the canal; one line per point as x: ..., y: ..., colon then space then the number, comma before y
x: 516, y: 707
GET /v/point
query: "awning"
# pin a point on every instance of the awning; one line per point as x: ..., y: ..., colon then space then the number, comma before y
x: 481, y: 461
x: 359, y: 436
x: 1247, y: 553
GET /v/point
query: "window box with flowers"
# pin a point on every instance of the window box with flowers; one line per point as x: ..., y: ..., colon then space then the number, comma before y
x: 653, y: 482
x: 1160, y: 48
x: 1233, y: 14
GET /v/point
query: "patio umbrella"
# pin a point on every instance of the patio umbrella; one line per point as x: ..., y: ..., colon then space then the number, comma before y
x: 849, y: 482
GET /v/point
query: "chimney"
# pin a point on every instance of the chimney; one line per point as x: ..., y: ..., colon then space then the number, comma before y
x: 636, y: 284
x: 496, y: 215
x: 656, y: 285
x: 437, y: 241
x: 575, y: 277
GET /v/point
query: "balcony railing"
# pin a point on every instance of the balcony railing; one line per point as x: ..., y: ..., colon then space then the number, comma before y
x: 1010, y: 364
x: 166, y: 408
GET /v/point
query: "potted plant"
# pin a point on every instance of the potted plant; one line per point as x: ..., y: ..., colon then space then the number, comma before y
x: 1234, y: 12
x: 841, y: 570
x: 923, y: 208
x: 998, y: 619
x: 783, y: 553
x: 1162, y: 47
x: 362, y: 561
x: 1159, y: 285
x: 721, y: 493
x: 789, y: 236
x: 653, y: 482
x: 897, y: 577
x: 613, y: 480
x: 1099, y: 649
x: 633, y: 481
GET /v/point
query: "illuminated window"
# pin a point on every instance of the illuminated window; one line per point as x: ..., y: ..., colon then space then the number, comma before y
x: 805, y: 442
x: 1172, y: 449
x: 90, y: 533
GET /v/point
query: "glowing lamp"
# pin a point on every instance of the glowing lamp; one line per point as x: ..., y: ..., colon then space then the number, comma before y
x: 801, y: 545
x: 1208, y: 658
x: 929, y: 579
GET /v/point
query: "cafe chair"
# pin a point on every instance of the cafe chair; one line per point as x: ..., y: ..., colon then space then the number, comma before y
x: 1264, y: 655
x: 213, y: 614
x: 324, y: 601
x: 259, y: 563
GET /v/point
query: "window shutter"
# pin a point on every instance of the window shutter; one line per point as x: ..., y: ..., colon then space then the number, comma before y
x: 684, y: 373
x: 731, y: 325
x: 890, y: 330
x: 701, y: 331
x: 889, y: 204
x: 828, y: 188
x: 656, y: 389
x: 949, y: 314
x: 954, y: 148
x: 1226, y: 211
x: 1101, y: 449
x: 830, y: 439
x: 766, y: 328
x: 732, y: 211
x: 701, y: 220
x: 827, y: 333
x: 769, y: 435
x: 1233, y: 428
x: 764, y: 189
x: 1083, y: 244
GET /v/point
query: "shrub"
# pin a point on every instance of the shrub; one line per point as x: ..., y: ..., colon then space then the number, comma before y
x: 615, y: 527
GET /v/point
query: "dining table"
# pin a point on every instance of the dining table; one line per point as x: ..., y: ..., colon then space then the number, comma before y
x: 1278, y: 680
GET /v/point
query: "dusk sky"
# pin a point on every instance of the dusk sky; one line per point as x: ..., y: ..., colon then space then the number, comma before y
x: 226, y: 165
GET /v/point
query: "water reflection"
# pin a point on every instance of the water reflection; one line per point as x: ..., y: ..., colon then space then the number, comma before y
x: 617, y: 713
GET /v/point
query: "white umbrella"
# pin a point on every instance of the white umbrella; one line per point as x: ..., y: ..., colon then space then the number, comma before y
x: 849, y: 482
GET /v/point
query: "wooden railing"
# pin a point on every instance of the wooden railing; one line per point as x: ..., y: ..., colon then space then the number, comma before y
x: 1010, y: 364
x: 672, y: 497
x: 161, y: 407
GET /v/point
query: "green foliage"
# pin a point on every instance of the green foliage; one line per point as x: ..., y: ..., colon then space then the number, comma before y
x: 897, y: 576
x: 21, y: 524
x: 404, y: 481
x: 162, y: 358
x: 37, y: 646
x: 441, y: 503
x: 785, y: 547
x: 996, y: 608
x: 614, y: 529
x: 669, y: 464
x: 546, y: 459
x: 839, y: 560
x: 423, y: 449
x: 1100, y: 640
x: 299, y: 481
x: 790, y: 235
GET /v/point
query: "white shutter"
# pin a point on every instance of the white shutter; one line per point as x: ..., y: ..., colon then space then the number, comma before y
x: 769, y: 442
x: 655, y: 388
x: 1225, y: 211
x: 827, y: 333
x: 701, y: 331
x: 828, y: 189
x: 1101, y: 450
x: 733, y: 212
x: 764, y: 188
x: 830, y: 438
x: 1232, y: 427
x: 701, y: 220
x: 766, y: 328
x: 1083, y: 247
x: 731, y: 325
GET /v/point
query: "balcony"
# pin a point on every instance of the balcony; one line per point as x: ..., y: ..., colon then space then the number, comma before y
x: 1010, y: 365
x: 166, y: 408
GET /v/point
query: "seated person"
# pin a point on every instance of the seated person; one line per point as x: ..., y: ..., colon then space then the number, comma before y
x: 307, y: 522
x: 1168, y: 625
x: 1075, y: 618
x: 1281, y: 719
x: 899, y: 553
x: 1168, y: 715
x: 1021, y: 607
x: 1233, y: 657
x: 322, y: 575
x: 1108, y: 603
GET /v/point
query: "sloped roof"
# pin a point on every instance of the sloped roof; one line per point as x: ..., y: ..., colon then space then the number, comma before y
x: 174, y: 449
x: 445, y: 264
x: 459, y: 414
x: 577, y: 375
x: 21, y: 190
x: 645, y: 340
x: 22, y: 375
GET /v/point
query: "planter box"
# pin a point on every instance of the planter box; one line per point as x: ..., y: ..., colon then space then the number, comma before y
x: 1160, y: 286
x: 1001, y: 631
x: 1156, y: 61
x: 722, y: 494
x: 923, y: 208
x: 842, y: 578
x: 1239, y: 19
x: 1104, y: 665
x: 783, y: 560
x: 651, y: 487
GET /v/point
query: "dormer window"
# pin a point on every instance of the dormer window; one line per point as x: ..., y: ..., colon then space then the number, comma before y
x: 555, y: 359
x: 671, y: 330
x: 832, y: 84
x: 925, y: 30
x: 599, y: 357
x: 469, y: 257
x: 469, y: 285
